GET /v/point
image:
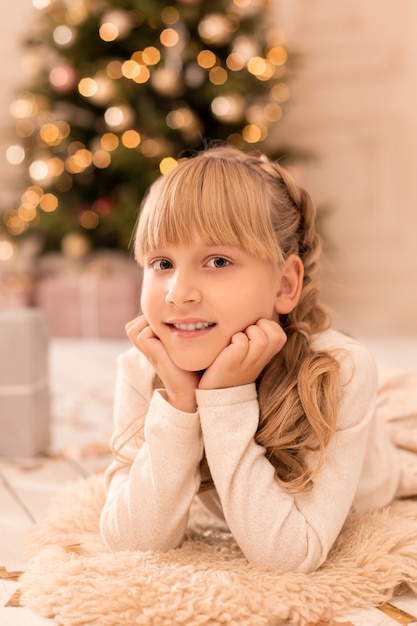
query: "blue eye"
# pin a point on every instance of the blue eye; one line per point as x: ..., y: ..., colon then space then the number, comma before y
x: 161, y: 264
x: 219, y: 262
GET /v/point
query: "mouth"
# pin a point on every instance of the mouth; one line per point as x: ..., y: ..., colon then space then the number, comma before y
x: 192, y: 326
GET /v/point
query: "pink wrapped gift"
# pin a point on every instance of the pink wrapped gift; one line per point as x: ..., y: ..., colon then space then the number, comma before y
x: 88, y: 304
x: 24, y: 385
x: 15, y: 290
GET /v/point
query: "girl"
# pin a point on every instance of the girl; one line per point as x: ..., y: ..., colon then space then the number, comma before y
x: 236, y: 390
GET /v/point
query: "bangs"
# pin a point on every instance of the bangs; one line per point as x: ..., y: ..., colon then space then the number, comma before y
x: 223, y: 200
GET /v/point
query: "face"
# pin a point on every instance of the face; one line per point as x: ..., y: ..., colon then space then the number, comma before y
x: 195, y: 298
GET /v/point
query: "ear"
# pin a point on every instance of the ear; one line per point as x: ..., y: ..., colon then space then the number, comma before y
x: 290, y: 284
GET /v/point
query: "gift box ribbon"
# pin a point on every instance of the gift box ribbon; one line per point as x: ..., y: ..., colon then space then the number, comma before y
x: 24, y: 390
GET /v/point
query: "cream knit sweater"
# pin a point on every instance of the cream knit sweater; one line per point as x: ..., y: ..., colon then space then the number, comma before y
x: 149, y: 496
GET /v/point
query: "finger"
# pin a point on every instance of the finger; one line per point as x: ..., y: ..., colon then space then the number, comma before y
x: 143, y: 336
x: 239, y: 338
x: 266, y: 338
x: 137, y: 323
x: 150, y: 346
x: 256, y: 333
x: 238, y: 347
x: 138, y: 330
x: 275, y: 334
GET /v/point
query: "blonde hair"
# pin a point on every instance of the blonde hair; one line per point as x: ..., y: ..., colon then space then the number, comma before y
x: 253, y: 203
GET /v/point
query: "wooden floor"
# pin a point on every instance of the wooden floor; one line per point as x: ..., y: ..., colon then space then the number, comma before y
x: 82, y: 381
x: 82, y: 374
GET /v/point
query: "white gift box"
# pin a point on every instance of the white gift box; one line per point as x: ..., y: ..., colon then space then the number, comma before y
x: 24, y: 384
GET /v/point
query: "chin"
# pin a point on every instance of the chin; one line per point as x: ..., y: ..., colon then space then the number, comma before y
x: 192, y: 365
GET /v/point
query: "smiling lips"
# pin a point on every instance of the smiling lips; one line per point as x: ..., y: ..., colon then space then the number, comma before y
x: 191, y: 326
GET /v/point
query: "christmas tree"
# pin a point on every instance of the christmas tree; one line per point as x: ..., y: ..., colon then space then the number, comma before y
x: 122, y: 89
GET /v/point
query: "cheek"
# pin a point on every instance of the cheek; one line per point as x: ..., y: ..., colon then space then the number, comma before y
x: 148, y: 298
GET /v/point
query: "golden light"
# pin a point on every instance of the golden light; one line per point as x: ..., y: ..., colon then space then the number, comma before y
x: 252, y: 133
x: 32, y: 195
x: 166, y: 81
x: 109, y: 142
x: 131, y: 139
x: 38, y: 170
x: 170, y: 15
x: 277, y: 55
x: 88, y: 219
x: 104, y: 88
x: 167, y: 164
x: 63, y: 35
x: 142, y: 75
x: 78, y: 162
x: 235, y: 62
x: 27, y: 212
x: 74, y: 146
x: 108, y: 31
x: 174, y: 119
x: 118, y: 117
x: 280, y: 92
x: 169, y: 37
x: 114, y: 116
x: 151, y: 55
x: 64, y: 128
x: 267, y: 74
x: 114, y: 69
x: 41, y: 4
x: 115, y: 24
x: 245, y: 47
x: 15, y: 154
x: 25, y: 128
x: 272, y: 112
x: 22, y: 107
x: 101, y: 159
x: 50, y: 134
x: 87, y: 87
x: 218, y: 75
x: 228, y: 108
x: 138, y: 57
x: 257, y: 65
x: 150, y: 148
x: 128, y: 68
x: 255, y: 114
x: 7, y: 250
x: 206, y: 59
x: 77, y: 12
x: 49, y: 203
x: 15, y: 225
x: 216, y: 28
x: 55, y: 166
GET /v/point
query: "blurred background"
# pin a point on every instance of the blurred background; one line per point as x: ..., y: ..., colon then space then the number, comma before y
x: 99, y: 96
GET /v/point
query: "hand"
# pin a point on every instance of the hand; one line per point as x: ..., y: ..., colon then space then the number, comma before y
x: 245, y: 357
x: 180, y: 385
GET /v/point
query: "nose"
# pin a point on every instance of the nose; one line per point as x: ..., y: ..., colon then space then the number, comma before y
x: 182, y: 289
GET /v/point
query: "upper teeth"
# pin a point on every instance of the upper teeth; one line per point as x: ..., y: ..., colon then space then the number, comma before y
x: 196, y: 326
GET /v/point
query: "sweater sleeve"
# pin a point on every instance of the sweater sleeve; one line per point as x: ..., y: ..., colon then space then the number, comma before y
x: 152, y: 481
x: 275, y: 528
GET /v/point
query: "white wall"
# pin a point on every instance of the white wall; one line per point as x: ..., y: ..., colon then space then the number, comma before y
x: 353, y: 105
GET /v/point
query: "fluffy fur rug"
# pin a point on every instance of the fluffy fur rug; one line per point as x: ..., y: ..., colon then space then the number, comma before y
x: 207, y: 581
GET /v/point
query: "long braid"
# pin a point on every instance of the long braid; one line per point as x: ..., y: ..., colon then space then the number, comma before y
x: 298, y: 389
